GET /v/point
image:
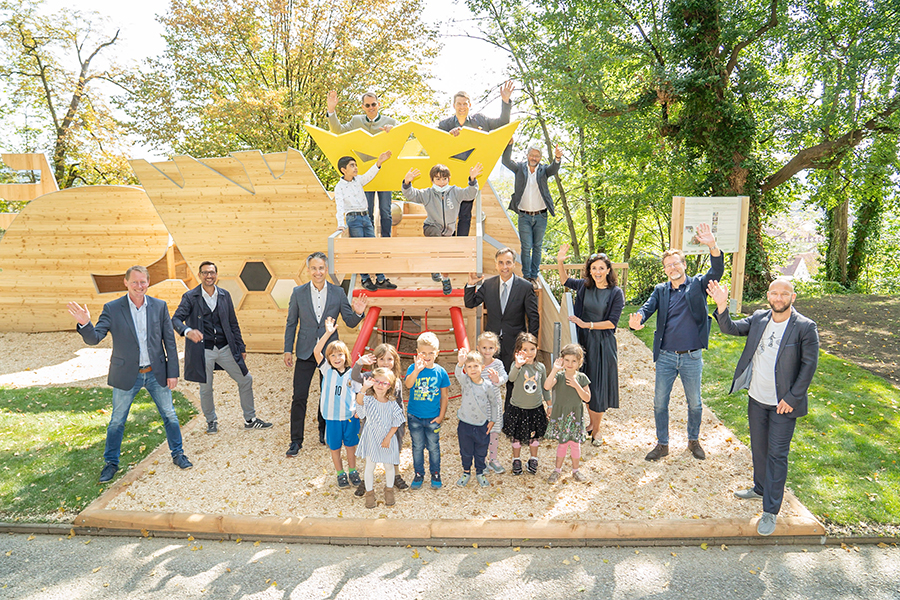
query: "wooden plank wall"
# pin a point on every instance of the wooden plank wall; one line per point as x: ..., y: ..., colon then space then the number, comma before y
x: 59, y: 240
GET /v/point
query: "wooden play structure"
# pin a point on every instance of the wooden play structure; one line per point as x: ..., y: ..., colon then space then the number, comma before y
x: 257, y: 216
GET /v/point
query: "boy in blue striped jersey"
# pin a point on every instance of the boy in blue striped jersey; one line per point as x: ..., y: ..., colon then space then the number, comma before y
x: 337, y: 404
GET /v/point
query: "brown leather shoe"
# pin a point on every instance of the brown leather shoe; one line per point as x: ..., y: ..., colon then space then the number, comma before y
x: 370, y: 499
x: 658, y: 452
x: 388, y: 496
x: 696, y: 449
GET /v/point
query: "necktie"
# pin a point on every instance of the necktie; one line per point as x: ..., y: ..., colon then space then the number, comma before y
x: 504, y: 296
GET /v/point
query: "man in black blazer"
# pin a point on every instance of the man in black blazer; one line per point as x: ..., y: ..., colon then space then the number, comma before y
x: 312, y: 303
x: 531, y: 200
x: 454, y: 124
x: 205, y: 317
x: 682, y: 331
x: 520, y: 312
x: 144, y: 355
x: 776, y: 367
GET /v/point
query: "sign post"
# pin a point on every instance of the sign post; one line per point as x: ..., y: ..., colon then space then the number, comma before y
x: 727, y: 217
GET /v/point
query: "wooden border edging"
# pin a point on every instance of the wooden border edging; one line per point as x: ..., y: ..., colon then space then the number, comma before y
x: 447, y: 532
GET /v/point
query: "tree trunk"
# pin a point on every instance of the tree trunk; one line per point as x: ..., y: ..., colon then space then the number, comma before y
x: 865, y: 233
x: 626, y: 255
x: 836, y: 238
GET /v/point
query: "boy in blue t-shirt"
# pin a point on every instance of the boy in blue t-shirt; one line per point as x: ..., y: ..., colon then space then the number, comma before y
x: 428, y: 384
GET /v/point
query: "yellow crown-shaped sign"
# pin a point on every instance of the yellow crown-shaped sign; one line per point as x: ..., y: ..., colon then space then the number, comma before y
x: 415, y: 145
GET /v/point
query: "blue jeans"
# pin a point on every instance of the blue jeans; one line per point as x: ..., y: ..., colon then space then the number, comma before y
x: 531, y: 234
x: 669, y: 365
x: 424, y: 434
x: 384, y: 210
x: 121, y: 404
x: 360, y: 226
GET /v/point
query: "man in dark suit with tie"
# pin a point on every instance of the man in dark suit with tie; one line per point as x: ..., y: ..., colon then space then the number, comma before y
x: 312, y: 303
x: 144, y: 355
x: 511, y: 306
x: 776, y: 367
x: 206, y: 319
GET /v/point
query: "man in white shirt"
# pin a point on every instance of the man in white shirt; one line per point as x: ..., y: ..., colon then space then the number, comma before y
x: 350, y: 199
x: 531, y: 200
x: 777, y: 367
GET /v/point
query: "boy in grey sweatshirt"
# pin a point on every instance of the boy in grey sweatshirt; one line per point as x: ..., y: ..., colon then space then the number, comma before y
x: 479, y: 409
x: 441, y: 202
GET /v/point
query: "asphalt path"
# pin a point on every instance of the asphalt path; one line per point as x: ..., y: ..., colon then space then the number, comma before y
x: 70, y: 568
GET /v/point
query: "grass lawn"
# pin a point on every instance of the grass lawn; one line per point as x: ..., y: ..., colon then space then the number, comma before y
x: 52, y: 447
x: 843, y: 462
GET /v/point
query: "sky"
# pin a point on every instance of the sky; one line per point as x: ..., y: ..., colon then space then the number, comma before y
x: 463, y: 64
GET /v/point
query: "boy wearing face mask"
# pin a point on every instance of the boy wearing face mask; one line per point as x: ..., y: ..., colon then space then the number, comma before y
x: 441, y: 202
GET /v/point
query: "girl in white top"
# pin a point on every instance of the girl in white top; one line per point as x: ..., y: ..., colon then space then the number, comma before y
x: 378, y: 444
x: 488, y: 344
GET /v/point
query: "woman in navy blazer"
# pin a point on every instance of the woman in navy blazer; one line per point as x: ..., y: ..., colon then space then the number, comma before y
x: 598, y: 305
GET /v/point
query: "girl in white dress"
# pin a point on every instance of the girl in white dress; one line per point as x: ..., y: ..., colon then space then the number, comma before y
x: 378, y: 444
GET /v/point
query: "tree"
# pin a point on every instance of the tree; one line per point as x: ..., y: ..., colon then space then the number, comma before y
x: 57, y: 108
x: 726, y: 92
x: 249, y: 74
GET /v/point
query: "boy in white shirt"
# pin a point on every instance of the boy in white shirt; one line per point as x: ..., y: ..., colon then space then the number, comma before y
x: 353, y: 209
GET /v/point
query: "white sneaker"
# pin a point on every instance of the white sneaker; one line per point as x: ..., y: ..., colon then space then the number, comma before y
x: 766, y: 524
x: 496, y: 467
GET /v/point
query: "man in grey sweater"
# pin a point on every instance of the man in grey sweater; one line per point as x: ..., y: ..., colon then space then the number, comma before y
x: 374, y: 122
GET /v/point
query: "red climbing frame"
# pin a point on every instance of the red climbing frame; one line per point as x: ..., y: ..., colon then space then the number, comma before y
x: 368, y: 325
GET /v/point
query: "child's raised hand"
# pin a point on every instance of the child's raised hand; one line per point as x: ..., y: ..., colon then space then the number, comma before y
x: 558, y: 364
x: 475, y: 171
x: 461, y: 356
x: 563, y: 252
x: 367, y: 359
x: 383, y: 157
x: 368, y: 383
x: 410, y: 175
x: 495, y: 379
x: 330, y: 325
x: 520, y: 359
x: 420, y: 362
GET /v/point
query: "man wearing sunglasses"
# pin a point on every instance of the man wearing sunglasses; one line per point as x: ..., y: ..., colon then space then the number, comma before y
x: 374, y: 122
x: 682, y: 331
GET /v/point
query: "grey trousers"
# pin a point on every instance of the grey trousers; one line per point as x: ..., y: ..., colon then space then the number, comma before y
x: 223, y: 357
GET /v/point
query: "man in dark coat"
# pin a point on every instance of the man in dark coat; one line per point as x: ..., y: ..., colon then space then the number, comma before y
x: 206, y: 319
x: 776, y: 367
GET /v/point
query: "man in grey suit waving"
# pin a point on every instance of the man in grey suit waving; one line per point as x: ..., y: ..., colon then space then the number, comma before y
x: 144, y: 355
x: 776, y: 366
x: 312, y: 303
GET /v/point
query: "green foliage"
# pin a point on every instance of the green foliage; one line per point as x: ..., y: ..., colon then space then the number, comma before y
x: 251, y: 74
x: 644, y: 272
x: 50, y: 67
x: 53, y: 443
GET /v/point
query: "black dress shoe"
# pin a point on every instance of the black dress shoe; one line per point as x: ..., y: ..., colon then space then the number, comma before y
x: 293, y: 449
x: 322, y: 438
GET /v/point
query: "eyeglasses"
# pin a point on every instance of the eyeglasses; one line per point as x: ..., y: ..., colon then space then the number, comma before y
x: 207, y: 273
x: 671, y: 265
x: 370, y: 104
x: 381, y: 383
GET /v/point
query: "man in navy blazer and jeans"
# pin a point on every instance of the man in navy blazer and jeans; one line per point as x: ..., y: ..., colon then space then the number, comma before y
x: 144, y: 355
x: 682, y: 331
x: 531, y: 200
x: 776, y: 367
x: 311, y: 304
x: 205, y: 317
